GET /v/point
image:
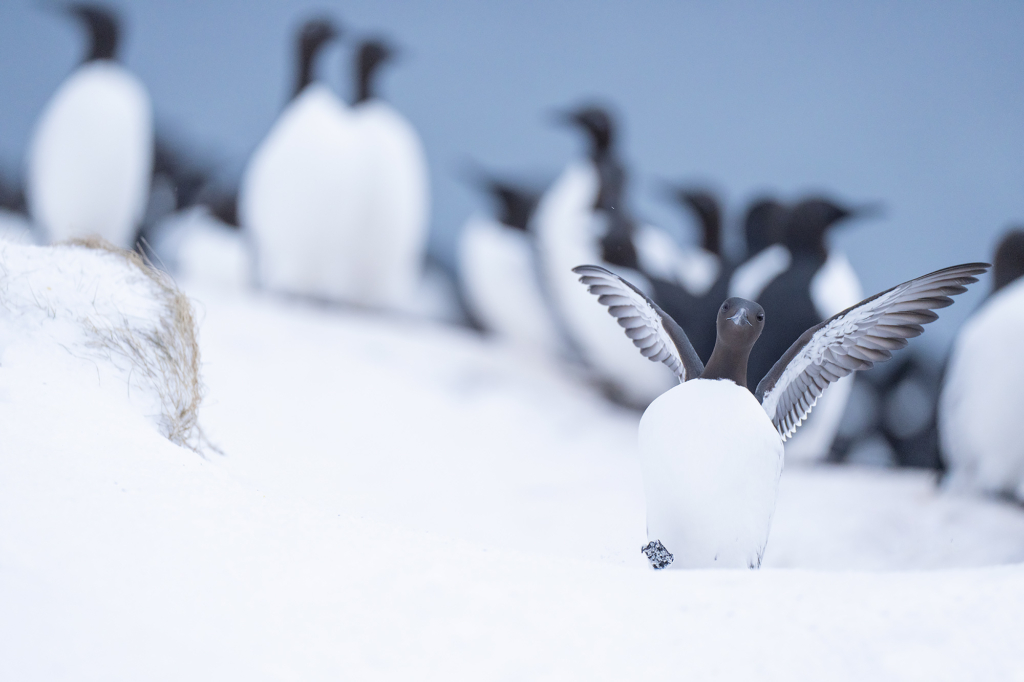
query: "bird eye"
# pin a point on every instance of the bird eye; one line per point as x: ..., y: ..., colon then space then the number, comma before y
x: 725, y: 306
x: 760, y: 317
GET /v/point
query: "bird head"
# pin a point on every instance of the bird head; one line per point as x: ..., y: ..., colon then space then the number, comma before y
x: 370, y: 55
x: 596, y: 122
x: 740, y: 322
x: 103, y: 26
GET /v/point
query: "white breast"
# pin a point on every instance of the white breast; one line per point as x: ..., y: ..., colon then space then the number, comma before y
x: 91, y: 156
x: 711, y: 463
x: 294, y: 195
x: 568, y: 235
x: 390, y: 216
x: 835, y: 286
x: 982, y: 400
x: 750, y: 278
x: 498, y: 267
x: 693, y: 268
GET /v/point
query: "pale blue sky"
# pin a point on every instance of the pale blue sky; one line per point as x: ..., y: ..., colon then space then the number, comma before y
x: 918, y: 104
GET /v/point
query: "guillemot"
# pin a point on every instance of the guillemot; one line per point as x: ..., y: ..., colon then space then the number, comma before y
x: 388, y: 212
x: 296, y: 180
x: 499, y: 273
x: 980, y: 405
x: 90, y: 159
x: 711, y: 451
x: 816, y: 283
x: 582, y: 218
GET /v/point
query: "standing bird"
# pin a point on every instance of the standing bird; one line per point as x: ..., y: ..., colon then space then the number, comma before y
x: 500, y: 275
x: 691, y: 294
x: 90, y: 158
x: 296, y: 187
x: 982, y: 401
x: 387, y: 220
x: 817, y: 283
x: 582, y: 219
x: 766, y: 257
x: 710, y: 455
x: 705, y: 206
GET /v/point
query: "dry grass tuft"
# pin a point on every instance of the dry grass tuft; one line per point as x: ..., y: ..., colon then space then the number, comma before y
x: 165, y: 355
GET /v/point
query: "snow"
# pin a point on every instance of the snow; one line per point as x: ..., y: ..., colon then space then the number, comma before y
x: 400, y: 500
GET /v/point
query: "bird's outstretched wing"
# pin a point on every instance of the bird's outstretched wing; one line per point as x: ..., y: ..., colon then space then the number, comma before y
x: 652, y: 330
x: 854, y: 339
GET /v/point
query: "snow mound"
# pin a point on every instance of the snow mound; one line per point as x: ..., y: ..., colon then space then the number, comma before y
x: 86, y: 312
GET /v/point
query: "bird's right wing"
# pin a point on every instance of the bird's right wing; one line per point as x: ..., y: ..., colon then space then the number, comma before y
x: 652, y: 330
x: 855, y: 339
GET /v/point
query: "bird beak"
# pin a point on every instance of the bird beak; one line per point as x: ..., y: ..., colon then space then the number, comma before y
x: 740, y: 317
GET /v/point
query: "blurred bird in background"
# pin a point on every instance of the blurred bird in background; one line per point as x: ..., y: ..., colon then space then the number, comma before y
x: 583, y: 218
x: 982, y: 396
x: 90, y: 158
x: 500, y: 272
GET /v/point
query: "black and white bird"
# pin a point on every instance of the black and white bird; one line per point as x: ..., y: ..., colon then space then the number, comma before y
x: 499, y: 271
x: 387, y: 221
x: 695, y: 268
x: 90, y: 158
x: 297, y: 183
x: 982, y: 401
x: 766, y: 258
x: 582, y: 219
x: 711, y: 451
x: 816, y: 283
x: 699, y: 276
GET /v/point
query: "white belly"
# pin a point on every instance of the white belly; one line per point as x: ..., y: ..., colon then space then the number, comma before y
x: 711, y: 463
x: 91, y: 156
x: 750, y: 279
x: 498, y: 268
x: 391, y: 211
x: 982, y: 400
x: 294, y: 196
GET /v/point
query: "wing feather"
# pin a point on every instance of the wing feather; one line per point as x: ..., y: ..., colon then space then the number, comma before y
x: 651, y: 330
x: 855, y: 339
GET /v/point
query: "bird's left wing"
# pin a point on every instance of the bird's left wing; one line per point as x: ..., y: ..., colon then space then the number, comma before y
x: 854, y: 339
x: 652, y: 330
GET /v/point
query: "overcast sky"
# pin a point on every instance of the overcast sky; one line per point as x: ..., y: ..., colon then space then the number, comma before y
x: 919, y: 105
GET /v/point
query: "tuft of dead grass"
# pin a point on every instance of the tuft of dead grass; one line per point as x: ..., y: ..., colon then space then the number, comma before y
x: 164, y: 356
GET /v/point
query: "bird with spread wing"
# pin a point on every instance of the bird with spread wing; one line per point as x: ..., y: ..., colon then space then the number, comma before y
x: 711, y: 451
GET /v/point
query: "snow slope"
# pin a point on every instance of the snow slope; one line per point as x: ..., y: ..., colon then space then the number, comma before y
x: 402, y: 501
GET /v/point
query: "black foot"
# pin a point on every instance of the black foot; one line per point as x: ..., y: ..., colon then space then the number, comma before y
x: 657, y: 554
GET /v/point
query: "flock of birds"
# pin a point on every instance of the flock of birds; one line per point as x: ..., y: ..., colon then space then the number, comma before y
x: 334, y: 205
